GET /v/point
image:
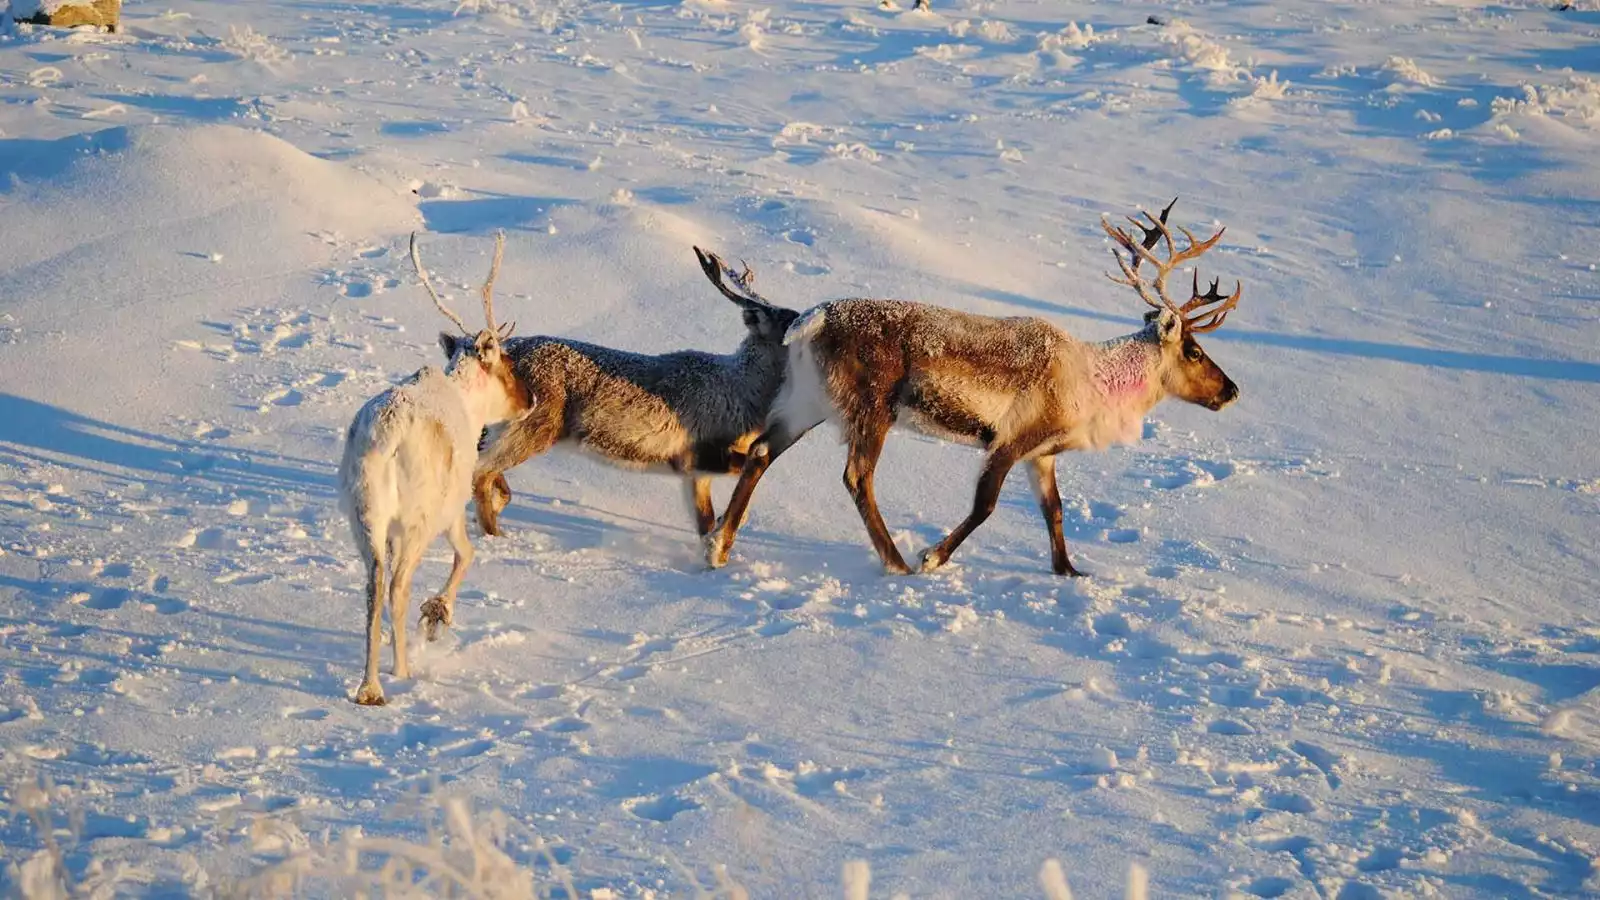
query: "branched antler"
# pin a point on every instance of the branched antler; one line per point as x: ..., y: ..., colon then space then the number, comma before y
x: 416, y: 263
x: 1209, y: 319
x: 1139, y: 251
x: 499, y: 332
x: 721, y: 273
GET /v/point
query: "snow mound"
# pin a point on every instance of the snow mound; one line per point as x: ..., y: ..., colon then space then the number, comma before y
x: 116, y: 224
x: 115, y: 178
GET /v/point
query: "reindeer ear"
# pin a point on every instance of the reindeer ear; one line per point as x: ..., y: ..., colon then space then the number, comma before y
x: 1168, y: 325
x: 449, y: 343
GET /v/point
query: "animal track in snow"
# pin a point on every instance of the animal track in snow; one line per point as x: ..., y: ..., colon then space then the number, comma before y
x: 1271, y: 886
x: 1290, y: 801
x: 565, y: 725
x: 659, y: 809
x: 282, y: 397
x: 1193, y: 472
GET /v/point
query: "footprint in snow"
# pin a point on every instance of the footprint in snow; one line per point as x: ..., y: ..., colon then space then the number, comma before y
x: 283, y: 397
x: 1271, y: 886
x: 566, y: 725
x: 1290, y: 801
x: 1192, y: 473
x: 659, y: 809
x: 776, y: 628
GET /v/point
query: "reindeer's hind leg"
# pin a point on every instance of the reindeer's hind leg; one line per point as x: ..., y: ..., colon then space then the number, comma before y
x: 518, y: 442
x: 370, y: 693
x: 866, y: 445
x: 1042, y: 472
x: 439, y: 611
x: 984, y: 501
x: 408, y: 557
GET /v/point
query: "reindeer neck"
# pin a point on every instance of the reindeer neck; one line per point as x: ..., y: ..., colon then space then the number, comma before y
x: 1125, y: 374
x: 1127, y: 370
x: 477, y: 399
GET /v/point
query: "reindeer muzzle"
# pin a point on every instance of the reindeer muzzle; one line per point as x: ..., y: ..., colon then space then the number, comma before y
x: 1228, y: 394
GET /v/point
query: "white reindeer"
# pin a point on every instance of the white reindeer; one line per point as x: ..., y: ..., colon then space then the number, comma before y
x: 407, y: 472
x: 1021, y: 388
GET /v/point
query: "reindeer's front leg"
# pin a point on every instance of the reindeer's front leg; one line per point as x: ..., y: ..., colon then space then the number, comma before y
x: 698, y: 488
x: 439, y: 611
x: 518, y: 442
x: 1042, y: 472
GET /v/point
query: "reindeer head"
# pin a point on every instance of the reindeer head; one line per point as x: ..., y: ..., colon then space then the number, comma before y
x: 478, y: 362
x: 766, y: 323
x: 1186, y: 371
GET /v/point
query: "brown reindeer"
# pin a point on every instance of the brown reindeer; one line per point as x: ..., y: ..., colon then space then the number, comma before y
x: 1021, y: 388
x: 688, y: 412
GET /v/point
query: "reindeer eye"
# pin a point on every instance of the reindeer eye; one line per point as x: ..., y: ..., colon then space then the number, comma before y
x: 1193, y: 353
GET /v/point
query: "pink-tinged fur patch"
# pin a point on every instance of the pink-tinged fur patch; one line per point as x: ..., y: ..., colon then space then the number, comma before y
x: 1123, y: 370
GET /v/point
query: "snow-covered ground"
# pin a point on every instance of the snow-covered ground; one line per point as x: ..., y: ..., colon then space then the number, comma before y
x: 1341, y: 640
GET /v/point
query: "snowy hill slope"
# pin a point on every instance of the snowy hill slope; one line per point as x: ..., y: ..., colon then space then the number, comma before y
x: 1340, y: 640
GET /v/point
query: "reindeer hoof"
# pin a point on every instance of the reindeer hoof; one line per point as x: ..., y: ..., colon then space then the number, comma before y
x: 436, y: 616
x: 370, y: 695
x: 1066, y: 569
x: 716, y: 550
x: 932, y: 560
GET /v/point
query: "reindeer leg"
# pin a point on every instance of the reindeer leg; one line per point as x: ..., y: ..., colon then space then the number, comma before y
x: 866, y: 445
x: 1042, y: 472
x: 370, y: 693
x: 762, y: 453
x: 983, y: 503
x: 698, y: 488
x: 439, y: 611
x: 518, y: 442
x: 405, y: 566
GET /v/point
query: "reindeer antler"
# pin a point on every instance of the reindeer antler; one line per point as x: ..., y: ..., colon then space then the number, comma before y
x: 1139, y: 251
x: 416, y: 263
x: 721, y: 273
x: 1209, y: 319
x: 488, y: 289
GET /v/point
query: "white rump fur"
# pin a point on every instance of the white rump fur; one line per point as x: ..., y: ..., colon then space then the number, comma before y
x: 405, y: 478
x: 803, y: 400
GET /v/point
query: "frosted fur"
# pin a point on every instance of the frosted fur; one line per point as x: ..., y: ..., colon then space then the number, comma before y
x: 1021, y: 388
x: 405, y: 478
x: 806, y: 325
x: 1100, y: 391
x: 647, y: 412
x: 689, y: 412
